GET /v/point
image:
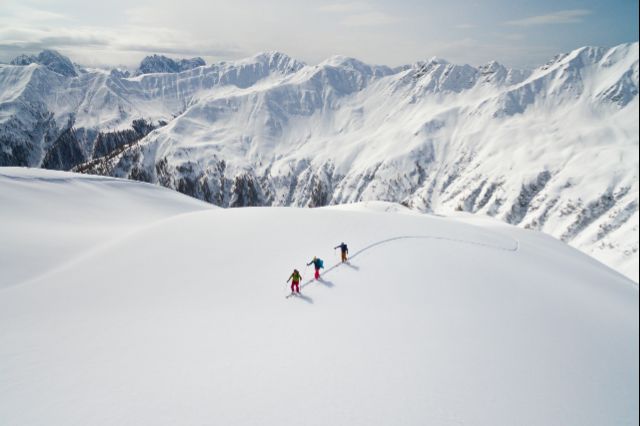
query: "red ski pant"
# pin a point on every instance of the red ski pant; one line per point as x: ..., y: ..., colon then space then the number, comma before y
x: 317, y: 273
x: 294, y: 287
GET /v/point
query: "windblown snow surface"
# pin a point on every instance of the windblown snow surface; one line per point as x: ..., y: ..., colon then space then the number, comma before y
x: 172, y: 312
x: 51, y: 217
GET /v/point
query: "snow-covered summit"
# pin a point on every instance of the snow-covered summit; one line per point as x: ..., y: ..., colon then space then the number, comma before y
x: 497, y: 74
x: 51, y: 59
x: 162, y: 64
x: 276, y: 61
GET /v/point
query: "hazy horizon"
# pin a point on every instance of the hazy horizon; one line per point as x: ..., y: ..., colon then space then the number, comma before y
x: 375, y: 31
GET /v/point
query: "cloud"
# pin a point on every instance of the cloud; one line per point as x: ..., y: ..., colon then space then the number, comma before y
x: 37, y: 39
x: 513, y: 37
x: 560, y: 17
x: 23, y: 13
x: 359, y: 14
x: 345, y: 7
x: 128, y: 44
x: 204, y: 49
x: 464, y: 26
x: 368, y: 19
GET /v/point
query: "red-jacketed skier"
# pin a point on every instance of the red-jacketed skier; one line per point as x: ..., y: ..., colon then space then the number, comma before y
x: 317, y: 264
x: 295, y: 281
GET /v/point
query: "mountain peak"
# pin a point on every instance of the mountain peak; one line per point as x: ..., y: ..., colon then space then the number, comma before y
x: 269, y: 55
x: 493, y: 71
x: 277, y: 60
x: 438, y: 60
x: 51, y: 59
x: 163, y: 64
x: 341, y: 60
x: 23, y: 60
x: 492, y: 66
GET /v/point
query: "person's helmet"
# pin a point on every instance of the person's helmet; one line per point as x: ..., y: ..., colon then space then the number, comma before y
x: 295, y: 270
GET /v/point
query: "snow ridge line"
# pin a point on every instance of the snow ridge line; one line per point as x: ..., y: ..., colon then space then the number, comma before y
x: 101, y: 247
x: 418, y: 237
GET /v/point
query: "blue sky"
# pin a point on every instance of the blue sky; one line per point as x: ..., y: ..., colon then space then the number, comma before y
x: 121, y: 32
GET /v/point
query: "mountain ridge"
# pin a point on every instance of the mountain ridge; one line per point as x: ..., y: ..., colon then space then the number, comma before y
x: 549, y: 149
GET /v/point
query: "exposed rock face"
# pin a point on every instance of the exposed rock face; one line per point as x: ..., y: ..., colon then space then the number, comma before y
x: 160, y: 64
x: 51, y: 59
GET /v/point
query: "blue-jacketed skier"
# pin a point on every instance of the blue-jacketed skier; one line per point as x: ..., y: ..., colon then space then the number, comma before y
x: 317, y: 264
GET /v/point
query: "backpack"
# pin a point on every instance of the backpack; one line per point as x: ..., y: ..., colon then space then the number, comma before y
x: 320, y: 264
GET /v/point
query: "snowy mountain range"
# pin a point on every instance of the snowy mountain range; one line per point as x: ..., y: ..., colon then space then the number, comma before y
x: 553, y: 149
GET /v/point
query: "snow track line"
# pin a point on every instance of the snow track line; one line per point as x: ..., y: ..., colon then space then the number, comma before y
x: 433, y: 237
x: 515, y: 248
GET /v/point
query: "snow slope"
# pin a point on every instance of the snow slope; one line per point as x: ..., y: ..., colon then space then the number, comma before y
x: 434, y: 321
x: 554, y: 149
x: 50, y: 217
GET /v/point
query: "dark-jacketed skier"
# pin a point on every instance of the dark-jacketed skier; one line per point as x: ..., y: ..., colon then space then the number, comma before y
x: 344, y: 251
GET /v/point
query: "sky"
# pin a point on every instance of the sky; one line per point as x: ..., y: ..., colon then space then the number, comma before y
x: 521, y: 34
